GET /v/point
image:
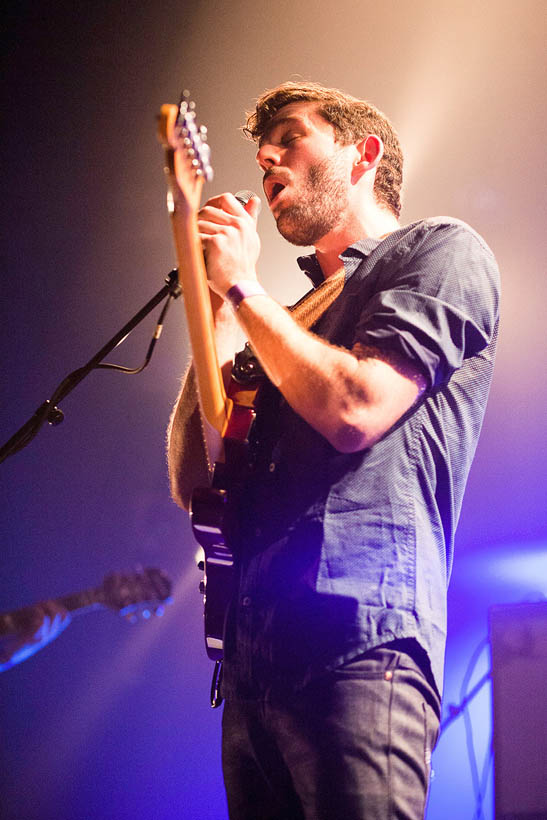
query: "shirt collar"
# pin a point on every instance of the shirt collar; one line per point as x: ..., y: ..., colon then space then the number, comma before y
x: 312, y: 268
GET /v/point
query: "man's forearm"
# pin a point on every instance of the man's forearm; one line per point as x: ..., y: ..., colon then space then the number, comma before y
x: 351, y: 399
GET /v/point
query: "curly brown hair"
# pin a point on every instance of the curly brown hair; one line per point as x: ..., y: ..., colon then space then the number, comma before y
x: 351, y: 118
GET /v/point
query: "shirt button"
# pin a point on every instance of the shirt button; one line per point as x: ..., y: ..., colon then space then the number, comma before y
x: 246, y: 601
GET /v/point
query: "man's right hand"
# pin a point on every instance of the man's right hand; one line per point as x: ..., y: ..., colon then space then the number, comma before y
x: 231, y: 244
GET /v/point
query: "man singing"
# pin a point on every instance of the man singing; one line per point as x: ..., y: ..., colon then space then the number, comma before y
x: 365, y: 433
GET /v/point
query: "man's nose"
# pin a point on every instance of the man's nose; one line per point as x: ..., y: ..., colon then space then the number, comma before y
x: 267, y: 156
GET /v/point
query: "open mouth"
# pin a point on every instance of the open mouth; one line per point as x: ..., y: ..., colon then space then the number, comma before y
x: 277, y: 188
x: 272, y: 188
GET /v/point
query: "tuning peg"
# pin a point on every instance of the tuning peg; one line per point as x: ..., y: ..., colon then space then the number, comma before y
x: 184, y: 100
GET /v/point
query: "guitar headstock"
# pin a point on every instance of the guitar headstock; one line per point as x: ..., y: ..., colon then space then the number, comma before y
x: 139, y: 593
x: 188, y: 156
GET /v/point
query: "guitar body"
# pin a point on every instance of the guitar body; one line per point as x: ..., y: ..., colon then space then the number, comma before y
x: 208, y: 525
x: 209, y: 510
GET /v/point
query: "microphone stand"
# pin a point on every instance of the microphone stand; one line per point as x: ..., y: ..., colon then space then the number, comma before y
x: 48, y: 411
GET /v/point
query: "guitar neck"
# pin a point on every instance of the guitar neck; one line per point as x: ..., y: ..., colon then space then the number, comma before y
x: 18, y: 619
x: 215, y: 404
x: 121, y: 592
x: 186, y: 167
x: 93, y: 598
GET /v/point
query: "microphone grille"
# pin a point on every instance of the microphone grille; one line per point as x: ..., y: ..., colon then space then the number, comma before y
x: 245, y: 196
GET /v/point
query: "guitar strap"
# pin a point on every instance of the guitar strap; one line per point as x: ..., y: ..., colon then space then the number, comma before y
x: 313, y: 304
x: 247, y: 369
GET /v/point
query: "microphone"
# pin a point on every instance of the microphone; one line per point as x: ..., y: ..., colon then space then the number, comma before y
x: 244, y: 196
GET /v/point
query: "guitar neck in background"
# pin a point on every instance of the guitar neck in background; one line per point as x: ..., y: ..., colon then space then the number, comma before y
x: 78, y: 602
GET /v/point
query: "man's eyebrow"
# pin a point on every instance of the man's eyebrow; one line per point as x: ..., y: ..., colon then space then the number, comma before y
x: 274, y: 123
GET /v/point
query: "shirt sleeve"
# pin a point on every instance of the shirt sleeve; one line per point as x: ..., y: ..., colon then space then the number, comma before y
x: 436, y: 305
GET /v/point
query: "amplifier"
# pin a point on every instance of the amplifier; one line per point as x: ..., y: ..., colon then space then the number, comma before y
x: 518, y: 639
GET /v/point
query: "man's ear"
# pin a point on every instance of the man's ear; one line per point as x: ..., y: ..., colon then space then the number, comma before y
x: 370, y: 151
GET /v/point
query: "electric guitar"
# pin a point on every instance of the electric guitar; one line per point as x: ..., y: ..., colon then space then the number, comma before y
x: 187, y: 167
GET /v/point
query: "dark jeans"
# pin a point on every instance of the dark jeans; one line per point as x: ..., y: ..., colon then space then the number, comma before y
x: 353, y: 745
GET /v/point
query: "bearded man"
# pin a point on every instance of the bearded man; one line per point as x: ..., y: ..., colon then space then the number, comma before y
x: 364, y: 436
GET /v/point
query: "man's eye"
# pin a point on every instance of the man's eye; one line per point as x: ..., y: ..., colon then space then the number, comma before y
x: 289, y: 138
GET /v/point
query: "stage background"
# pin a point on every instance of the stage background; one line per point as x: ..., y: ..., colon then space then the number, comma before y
x: 112, y: 720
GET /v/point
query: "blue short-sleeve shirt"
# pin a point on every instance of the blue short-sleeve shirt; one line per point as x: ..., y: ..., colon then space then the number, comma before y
x: 341, y: 552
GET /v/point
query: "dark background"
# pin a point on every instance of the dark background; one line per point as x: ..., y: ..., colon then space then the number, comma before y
x: 112, y: 720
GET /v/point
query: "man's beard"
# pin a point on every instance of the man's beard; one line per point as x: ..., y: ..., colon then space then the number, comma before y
x: 322, y: 200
